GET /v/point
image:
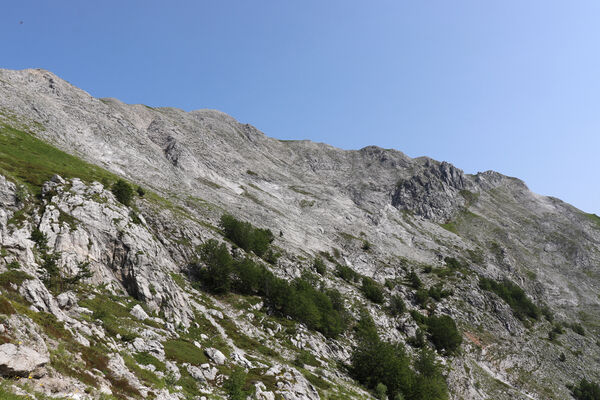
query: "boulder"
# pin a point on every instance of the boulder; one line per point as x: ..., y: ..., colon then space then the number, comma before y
x: 139, y: 313
x: 215, y: 355
x: 21, y: 361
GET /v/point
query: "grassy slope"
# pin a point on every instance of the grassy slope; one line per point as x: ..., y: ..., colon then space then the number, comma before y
x: 28, y: 160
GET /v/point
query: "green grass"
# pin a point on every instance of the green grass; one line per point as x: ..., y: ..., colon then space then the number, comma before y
x: 6, y: 394
x: 593, y: 218
x: 184, y: 352
x: 451, y: 227
x: 30, y: 161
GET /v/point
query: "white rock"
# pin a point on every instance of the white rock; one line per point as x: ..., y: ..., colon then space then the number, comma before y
x: 21, y: 361
x: 138, y: 312
x: 215, y: 355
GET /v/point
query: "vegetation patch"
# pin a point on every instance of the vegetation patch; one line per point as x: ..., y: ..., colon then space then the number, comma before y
x: 322, y: 310
x: 386, y: 368
x: 514, y: 296
x: 30, y: 161
x: 182, y: 351
x: 246, y: 236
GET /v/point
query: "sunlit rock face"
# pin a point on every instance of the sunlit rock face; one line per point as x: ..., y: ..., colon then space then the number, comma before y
x: 139, y: 325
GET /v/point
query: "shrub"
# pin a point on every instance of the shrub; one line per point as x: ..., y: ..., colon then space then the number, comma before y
x: 443, y: 333
x: 437, y: 292
x: 319, y: 266
x: 346, y: 273
x: 577, y: 328
x: 397, y: 306
x: 414, y: 280
x: 13, y: 265
x: 453, y: 263
x: 366, y: 245
x: 234, y: 387
x: 514, y: 296
x: 305, y: 358
x: 140, y: 191
x: 372, y: 290
x: 556, y: 330
x: 381, y: 391
x: 123, y: 192
x: 422, y: 297
x: 245, y: 235
x: 216, y: 276
x: 586, y: 390
x: 40, y: 239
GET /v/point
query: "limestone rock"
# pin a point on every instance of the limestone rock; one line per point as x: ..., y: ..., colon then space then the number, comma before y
x: 138, y: 312
x: 21, y: 361
x: 215, y: 355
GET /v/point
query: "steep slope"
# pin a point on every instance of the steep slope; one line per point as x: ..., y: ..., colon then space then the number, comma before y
x: 376, y: 211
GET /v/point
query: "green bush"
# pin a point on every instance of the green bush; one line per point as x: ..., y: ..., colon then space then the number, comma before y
x: 422, y: 297
x: 577, y: 328
x: 305, y: 358
x: 216, y: 276
x: 586, y: 390
x: 413, y: 279
x: 453, y: 263
x: 245, y: 235
x: 514, y: 296
x: 437, y: 292
x: 123, y: 192
x: 319, y: 266
x: 397, y: 306
x: 347, y: 273
x: 40, y: 239
x: 372, y: 290
x: 234, y: 386
x: 443, y: 333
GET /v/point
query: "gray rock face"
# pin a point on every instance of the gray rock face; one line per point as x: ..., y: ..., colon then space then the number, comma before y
x: 138, y: 312
x: 434, y: 192
x: 322, y: 199
x: 21, y: 361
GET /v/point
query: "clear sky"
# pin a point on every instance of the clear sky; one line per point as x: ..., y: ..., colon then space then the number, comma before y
x: 509, y: 85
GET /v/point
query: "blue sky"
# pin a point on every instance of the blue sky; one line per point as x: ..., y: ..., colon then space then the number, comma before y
x: 512, y: 86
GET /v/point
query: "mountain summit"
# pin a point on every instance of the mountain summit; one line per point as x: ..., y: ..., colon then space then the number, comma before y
x: 157, y: 253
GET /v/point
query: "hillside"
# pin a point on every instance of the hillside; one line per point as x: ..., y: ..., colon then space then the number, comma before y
x: 324, y: 256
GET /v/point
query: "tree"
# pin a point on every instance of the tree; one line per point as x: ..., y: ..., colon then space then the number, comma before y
x: 123, y: 192
x: 235, y: 385
x: 319, y: 266
x: 443, y: 333
x: 372, y: 290
x: 216, y: 276
x: 586, y: 390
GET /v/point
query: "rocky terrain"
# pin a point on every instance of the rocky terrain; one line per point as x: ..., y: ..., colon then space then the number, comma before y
x: 101, y: 300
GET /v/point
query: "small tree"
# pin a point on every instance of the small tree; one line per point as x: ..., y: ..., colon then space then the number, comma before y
x: 381, y: 391
x: 235, y: 385
x: 372, y: 290
x: 216, y: 277
x: 444, y: 334
x: 123, y: 192
x: 397, y: 306
x: 319, y: 266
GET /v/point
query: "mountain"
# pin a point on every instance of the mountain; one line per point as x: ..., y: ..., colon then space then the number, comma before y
x: 156, y: 253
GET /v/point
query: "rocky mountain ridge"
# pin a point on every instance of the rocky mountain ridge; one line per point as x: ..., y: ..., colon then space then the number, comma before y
x: 377, y: 212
